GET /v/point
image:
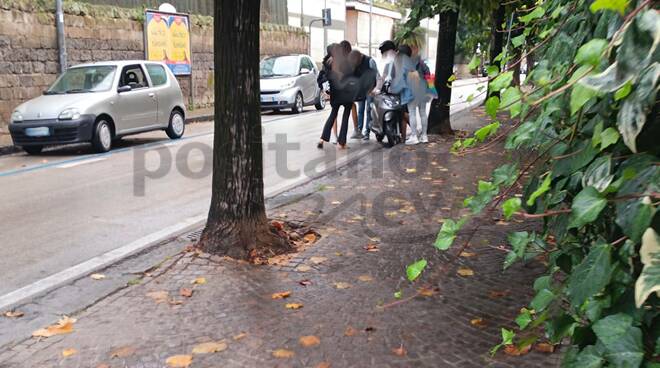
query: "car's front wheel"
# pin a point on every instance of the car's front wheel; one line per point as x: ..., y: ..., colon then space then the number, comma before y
x: 320, y: 102
x: 298, y: 104
x: 33, y: 150
x: 177, y: 125
x: 102, y: 138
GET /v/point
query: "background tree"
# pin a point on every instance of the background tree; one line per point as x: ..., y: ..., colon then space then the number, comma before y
x: 237, y: 225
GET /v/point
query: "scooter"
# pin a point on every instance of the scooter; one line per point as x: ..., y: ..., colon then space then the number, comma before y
x: 386, y: 117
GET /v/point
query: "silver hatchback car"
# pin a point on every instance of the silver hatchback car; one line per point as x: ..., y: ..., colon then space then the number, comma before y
x: 289, y: 82
x: 101, y: 102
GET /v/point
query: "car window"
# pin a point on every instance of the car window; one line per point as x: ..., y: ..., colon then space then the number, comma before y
x: 306, y: 63
x: 279, y: 66
x: 133, y: 76
x: 84, y: 79
x: 157, y: 74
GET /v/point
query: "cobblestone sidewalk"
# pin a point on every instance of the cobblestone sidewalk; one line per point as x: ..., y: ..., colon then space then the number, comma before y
x: 375, y: 217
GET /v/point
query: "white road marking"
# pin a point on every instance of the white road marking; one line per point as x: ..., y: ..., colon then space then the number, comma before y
x: 79, y: 163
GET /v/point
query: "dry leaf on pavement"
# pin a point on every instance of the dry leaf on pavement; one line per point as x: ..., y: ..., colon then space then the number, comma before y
x: 283, y: 353
x: 281, y: 295
x: 318, y: 260
x: 400, y: 351
x: 496, y: 294
x: 69, y: 352
x: 63, y: 326
x: 514, y: 351
x: 371, y: 248
x: 103, y: 365
x: 478, y: 322
x: 240, y: 336
x: 186, y: 292
x: 411, y: 171
x: 335, y: 203
x: 179, y: 361
x: 467, y: 254
x: 544, y: 347
x: 424, y: 291
x: 122, y: 352
x: 210, y: 347
x: 342, y: 285
x: 97, y: 276
x: 365, y: 278
x: 303, y: 268
x: 305, y: 282
x: 13, y: 314
x: 464, y: 271
x: 308, y: 341
x: 293, y: 306
x: 199, y: 281
x: 159, y: 296
x: 323, y: 365
x: 350, y: 331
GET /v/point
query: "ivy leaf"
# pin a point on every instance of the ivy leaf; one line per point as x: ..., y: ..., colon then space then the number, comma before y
x: 649, y: 280
x: 414, y: 270
x: 544, y: 187
x: 633, y: 112
x: 608, y: 137
x: 518, y: 40
x: 598, y: 174
x: 538, y: 12
x: 590, y: 276
x: 542, y: 299
x: 621, y: 340
x: 505, y: 174
x: 589, y: 357
x: 492, y: 104
x: 492, y: 71
x: 474, y: 63
x: 590, y: 53
x: 511, y: 206
x: 623, y: 92
x: 580, y: 95
x: 487, y: 131
x: 447, y: 233
x: 501, y: 81
x: 524, y: 318
x: 616, y: 5
x: 586, y: 207
x: 511, y: 97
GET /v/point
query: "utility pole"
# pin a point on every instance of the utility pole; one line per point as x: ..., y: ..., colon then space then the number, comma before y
x: 325, y: 30
x: 61, y: 41
x: 371, y: 8
x: 302, y: 14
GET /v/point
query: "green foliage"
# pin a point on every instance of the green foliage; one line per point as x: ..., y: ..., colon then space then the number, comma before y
x: 414, y: 270
x: 590, y: 123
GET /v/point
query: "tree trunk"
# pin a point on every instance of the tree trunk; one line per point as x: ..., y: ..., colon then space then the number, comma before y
x: 497, y: 33
x: 237, y: 225
x: 439, y: 119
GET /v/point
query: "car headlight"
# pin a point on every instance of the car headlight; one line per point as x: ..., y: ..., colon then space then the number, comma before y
x: 288, y: 84
x: 16, y: 117
x: 69, y: 114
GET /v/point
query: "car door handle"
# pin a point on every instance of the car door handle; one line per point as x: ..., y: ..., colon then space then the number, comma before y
x: 152, y: 95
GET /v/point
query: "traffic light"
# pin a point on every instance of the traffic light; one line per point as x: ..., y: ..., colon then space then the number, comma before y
x: 327, y: 17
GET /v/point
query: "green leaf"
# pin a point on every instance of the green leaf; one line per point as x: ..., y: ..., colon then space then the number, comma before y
x: 608, y: 137
x: 590, y: 276
x: 634, y: 110
x: 623, y: 92
x: 544, y: 187
x: 511, y: 206
x: 538, y: 12
x: 518, y: 40
x: 590, y: 53
x: 447, y: 233
x: 524, y: 318
x: 414, y: 270
x: 398, y: 294
x: 507, y: 336
x: 621, y: 340
x: 589, y: 357
x: 598, y: 174
x: 510, y: 96
x: 492, y: 104
x: 505, y: 174
x: 616, y: 5
x: 542, y: 299
x: 580, y: 95
x: 474, y: 63
x: 492, y: 71
x: 501, y: 81
x: 487, y: 131
x: 649, y: 280
x: 451, y: 78
x: 586, y: 207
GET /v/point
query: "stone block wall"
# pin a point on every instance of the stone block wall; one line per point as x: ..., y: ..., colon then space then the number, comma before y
x: 29, y: 55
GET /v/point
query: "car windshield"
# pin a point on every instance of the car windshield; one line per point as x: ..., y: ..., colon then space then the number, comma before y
x: 84, y: 79
x: 280, y: 66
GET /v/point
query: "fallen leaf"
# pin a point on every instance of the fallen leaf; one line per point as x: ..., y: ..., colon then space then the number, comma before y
x: 159, y: 296
x: 467, y: 254
x: 278, y: 225
x: 179, y: 361
x: 400, y: 351
x: 398, y: 294
x: 283, y: 353
x: 69, y: 352
x: 239, y: 336
x: 318, y: 260
x: 199, y: 281
x: 293, y: 306
x: 411, y: 171
x: 97, y: 276
x: 14, y: 314
x: 305, y: 282
x: 350, y: 331
x: 514, y: 351
x: 323, y: 365
x: 365, y: 278
x: 63, y: 326
x: 123, y: 352
x: 174, y: 301
x: 309, y: 238
x: 544, y: 347
x: 103, y: 365
x: 496, y: 294
x: 335, y: 203
x: 424, y: 291
x: 281, y: 295
x: 210, y: 347
x: 372, y: 248
x: 342, y: 285
x: 478, y: 322
x: 303, y: 268
x: 308, y: 341
x: 464, y: 271
x: 358, y: 218
x: 186, y: 292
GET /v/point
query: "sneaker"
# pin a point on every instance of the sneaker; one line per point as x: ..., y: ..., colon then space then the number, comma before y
x: 412, y: 140
x: 424, y: 138
x: 333, y: 139
x: 366, y: 137
x: 356, y: 135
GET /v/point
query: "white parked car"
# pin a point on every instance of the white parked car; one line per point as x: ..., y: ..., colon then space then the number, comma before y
x: 101, y: 102
x: 289, y: 82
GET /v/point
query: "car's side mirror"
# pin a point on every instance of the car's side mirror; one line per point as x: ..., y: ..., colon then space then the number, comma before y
x: 305, y: 71
x: 124, y: 89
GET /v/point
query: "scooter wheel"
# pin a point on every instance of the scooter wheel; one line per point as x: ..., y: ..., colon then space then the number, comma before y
x: 379, y: 138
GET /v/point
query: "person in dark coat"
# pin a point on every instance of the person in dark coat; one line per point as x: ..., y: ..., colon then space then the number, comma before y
x: 341, y: 94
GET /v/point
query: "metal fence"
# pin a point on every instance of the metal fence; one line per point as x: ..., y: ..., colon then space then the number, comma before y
x: 272, y: 11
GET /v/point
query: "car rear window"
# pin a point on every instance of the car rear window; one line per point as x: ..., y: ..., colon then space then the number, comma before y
x: 157, y: 74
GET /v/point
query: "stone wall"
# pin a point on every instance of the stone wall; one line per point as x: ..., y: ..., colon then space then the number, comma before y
x: 29, y: 55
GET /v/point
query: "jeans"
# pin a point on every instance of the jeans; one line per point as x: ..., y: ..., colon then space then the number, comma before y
x: 362, y: 106
x: 415, y: 107
x: 331, y: 121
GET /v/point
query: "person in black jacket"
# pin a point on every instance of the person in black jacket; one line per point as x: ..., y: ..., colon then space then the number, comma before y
x: 338, y: 73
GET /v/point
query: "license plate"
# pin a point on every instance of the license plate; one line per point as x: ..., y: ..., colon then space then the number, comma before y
x: 37, y: 132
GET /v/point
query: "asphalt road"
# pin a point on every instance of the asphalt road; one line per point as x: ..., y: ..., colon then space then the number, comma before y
x: 69, y: 205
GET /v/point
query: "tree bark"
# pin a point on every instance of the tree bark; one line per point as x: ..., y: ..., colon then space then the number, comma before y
x: 497, y: 33
x: 439, y: 118
x: 237, y: 225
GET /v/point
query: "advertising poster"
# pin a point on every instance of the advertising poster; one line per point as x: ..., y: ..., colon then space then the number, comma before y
x: 167, y: 39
